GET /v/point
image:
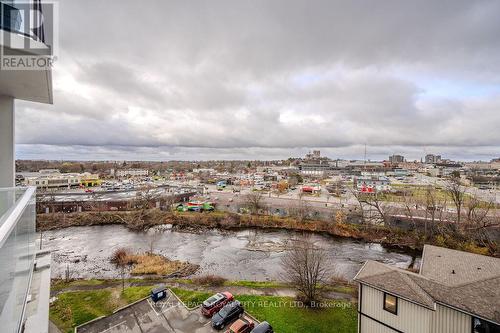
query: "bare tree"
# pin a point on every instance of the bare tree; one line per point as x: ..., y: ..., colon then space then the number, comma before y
x: 67, y: 273
x: 481, y: 216
x: 373, y: 203
x: 410, y: 207
x: 300, y: 208
x: 435, y: 211
x: 457, y: 194
x: 145, y: 197
x: 121, y: 260
x: 170, y: 200
x: 154, y: 236
x: 306, y: 268
x: 254, y: 201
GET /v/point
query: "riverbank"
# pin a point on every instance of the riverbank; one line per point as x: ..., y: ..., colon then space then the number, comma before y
x: 244, y: 254
x: 198, y: 222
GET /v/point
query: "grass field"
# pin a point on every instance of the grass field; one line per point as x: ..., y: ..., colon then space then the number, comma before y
x: 77, y: 307
x: 74, y: 308
x: 288, y: 316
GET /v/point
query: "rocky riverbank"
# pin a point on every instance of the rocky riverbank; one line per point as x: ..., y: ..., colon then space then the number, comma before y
x: 196, y: 222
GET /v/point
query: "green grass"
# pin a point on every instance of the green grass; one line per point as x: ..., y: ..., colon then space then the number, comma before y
x: 75, y: 308
x: 57, y: 285
x: 217, y: 213
x: 287, y: 316
x: 132, y: 294
x: 342, y: 288
x: 256, y: 284
x: 191, y: 298
x: 243, y: 283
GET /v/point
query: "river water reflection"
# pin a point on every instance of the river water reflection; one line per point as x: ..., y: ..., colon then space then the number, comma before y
x: 239, y: 255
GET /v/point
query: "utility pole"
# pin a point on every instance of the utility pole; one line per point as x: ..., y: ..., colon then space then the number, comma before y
x: 364, y: 164
x: 365, y: 153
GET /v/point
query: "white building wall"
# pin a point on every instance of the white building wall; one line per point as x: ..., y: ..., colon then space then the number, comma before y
x: 411, y: 318
x: 371, y: 326
x: 7, y: 128
x: 132, y: 173
x: 447, y: 320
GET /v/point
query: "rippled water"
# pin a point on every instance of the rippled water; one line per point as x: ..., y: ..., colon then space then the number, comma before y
x: 243, y: 255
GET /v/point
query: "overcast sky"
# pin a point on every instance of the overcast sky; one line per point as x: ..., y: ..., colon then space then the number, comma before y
x: 159, y: 80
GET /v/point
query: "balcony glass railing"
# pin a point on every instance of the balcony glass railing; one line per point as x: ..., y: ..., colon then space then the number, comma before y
x: 12, y: 18
x: 17, y: 253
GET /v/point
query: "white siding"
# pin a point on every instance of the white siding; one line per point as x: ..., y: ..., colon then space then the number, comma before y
x: 411, y: 318
x: 447, y: 320
x: 371, y: 326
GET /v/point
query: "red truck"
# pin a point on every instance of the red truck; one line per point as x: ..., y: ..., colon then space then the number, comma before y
x: 214, y: 303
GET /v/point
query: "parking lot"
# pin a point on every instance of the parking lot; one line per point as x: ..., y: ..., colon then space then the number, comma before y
x: 168, y: 315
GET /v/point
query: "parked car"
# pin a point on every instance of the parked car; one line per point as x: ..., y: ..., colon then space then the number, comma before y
x: 242, y: 325
x: 227, y: 314
x: 263, y: 327
x: 214, y: 303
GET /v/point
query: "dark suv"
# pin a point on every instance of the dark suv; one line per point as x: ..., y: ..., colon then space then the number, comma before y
x: 263, y: 327
x: 227, y: 314
x: 214, y: 303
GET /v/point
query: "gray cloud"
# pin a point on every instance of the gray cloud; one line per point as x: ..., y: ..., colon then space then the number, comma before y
x: 264, y: 77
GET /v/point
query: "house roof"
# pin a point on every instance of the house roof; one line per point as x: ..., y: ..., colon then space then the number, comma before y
x: 453, y: 268
x: 466, y: 281
x: 396, y: 281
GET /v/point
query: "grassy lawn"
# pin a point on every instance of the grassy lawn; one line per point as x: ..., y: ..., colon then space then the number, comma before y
x: 342, y: 288
x: 286, y: 316
x: 77, y: 307
x: 57, y: 285
x: 132, y: 294
x: 256, y: 284
x: 242, y: 283
x: 74, y: 308
x: 191, y: 298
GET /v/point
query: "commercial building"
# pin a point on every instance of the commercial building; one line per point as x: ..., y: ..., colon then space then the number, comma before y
x: 454, y: 292
x: 122, y: 173
x: 90, y: 179
x: 432, y: 159
x: 318, y: 170
x: 24, y: 269
x: 51, y: 179
x: 372, y: 183
x: 394, y: 159
x: 316, y: 154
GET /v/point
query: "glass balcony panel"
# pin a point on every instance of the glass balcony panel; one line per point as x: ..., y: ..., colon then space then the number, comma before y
x: 17, y: 250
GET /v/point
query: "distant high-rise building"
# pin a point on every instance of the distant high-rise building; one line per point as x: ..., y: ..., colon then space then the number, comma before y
x: 432, y: 159
x: 316, y: 154
x: 396, y: 159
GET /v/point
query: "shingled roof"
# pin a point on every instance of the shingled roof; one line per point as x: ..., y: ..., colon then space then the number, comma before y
x: 465, y: 281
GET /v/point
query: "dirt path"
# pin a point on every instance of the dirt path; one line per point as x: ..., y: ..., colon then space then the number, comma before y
x: 241, y: 290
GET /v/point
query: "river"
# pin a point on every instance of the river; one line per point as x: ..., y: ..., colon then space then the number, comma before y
x: 238, y: 255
